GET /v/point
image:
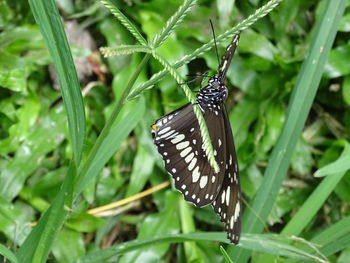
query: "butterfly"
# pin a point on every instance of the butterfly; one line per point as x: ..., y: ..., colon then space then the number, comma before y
x: 178, y: 139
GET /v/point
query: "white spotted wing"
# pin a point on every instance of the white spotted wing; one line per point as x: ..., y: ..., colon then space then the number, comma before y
x: 179, y: 141
x: 228, y: 202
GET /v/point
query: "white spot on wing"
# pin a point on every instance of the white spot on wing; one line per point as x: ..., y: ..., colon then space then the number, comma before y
x: 178, y: 138
x: 185, y: 152
x: 164, y: 130
x: 223, y: 197
x: 182, y: 145
x: 237, y: 210
x: 228, y: 195
x: 203, y: 182
x: 195, y: 174
x: 189, y: 157
x: 192, y: 164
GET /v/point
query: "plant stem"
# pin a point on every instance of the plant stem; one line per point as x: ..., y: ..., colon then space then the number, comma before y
x: 81, y: 180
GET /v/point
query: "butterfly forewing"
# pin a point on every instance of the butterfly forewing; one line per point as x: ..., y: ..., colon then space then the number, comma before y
x: 227, y: 57
x: 228, y: 202
x: 178, y: 139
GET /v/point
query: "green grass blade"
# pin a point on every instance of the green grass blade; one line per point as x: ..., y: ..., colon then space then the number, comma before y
x: 341, y: 165
x: 49, y: 21
x: 331, y: 238
x: 173, y: 22
x: 261, y: 243
x: 299, y: 107
x: 125, y: 21
x: 38, y: 244
x: 315, y: 201
x: 6, y: 253
x: 188, y: 226
x: 312, y: 205
x: 226, y: 256
x: 129, y: 117
x: 84, y: 175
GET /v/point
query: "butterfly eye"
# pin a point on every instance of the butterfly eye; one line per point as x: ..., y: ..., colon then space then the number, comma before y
x: 181, y: 146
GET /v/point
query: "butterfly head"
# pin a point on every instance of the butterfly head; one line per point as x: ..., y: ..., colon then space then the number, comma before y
x: 214, y: 93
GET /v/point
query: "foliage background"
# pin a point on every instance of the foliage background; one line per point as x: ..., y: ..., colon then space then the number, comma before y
x: 36, y: 152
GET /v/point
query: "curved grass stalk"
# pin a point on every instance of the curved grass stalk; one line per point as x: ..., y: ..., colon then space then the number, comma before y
x: 261, y: 12
x: 123, y: 50
x: 125, y: 21
x: 173, y: 22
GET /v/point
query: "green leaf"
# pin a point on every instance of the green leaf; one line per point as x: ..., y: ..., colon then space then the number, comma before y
x: 26, y: 117
x: 344, y: 25
x: 338, y: 62
x: 13, y: 72
x: 346, y: 90
x: 257, y: 44
x: 49, y: 21
x: 68, y: 246
x: 13, y: 218
x: 163, y: 223
x: 141, y: 170
x: 41, y: 140
x: 84, y: 222
x: 341, y: 165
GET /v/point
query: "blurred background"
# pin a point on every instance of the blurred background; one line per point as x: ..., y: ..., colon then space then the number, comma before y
x: 34, y: 136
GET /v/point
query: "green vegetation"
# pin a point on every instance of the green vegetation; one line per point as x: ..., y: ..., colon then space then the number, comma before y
x: 80, y: 179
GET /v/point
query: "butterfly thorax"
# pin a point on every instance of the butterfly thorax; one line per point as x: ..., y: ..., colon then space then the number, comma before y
x: 214, y: 93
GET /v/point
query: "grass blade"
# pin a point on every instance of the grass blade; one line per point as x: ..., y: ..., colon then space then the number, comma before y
x: 6, y: 253
x: 315, y: 201
x: 312, y: 205
x: 226, y: 256
x: 49, y: 21
x: 264, y: 243
x: 299, y: 107
x: 341, y: 165
x: 37, y: 245
x: 84, y: 175
x: 130, y: 116
x: 334, y: 236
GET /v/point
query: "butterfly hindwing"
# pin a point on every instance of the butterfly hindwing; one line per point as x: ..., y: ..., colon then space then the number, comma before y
x: 179, y: 141
x: 228, y: 202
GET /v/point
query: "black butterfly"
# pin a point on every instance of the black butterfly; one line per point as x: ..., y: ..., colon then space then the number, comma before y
x: 178, y: 139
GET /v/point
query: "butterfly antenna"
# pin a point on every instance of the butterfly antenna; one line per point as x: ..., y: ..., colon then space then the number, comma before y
x: 216, y: 47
